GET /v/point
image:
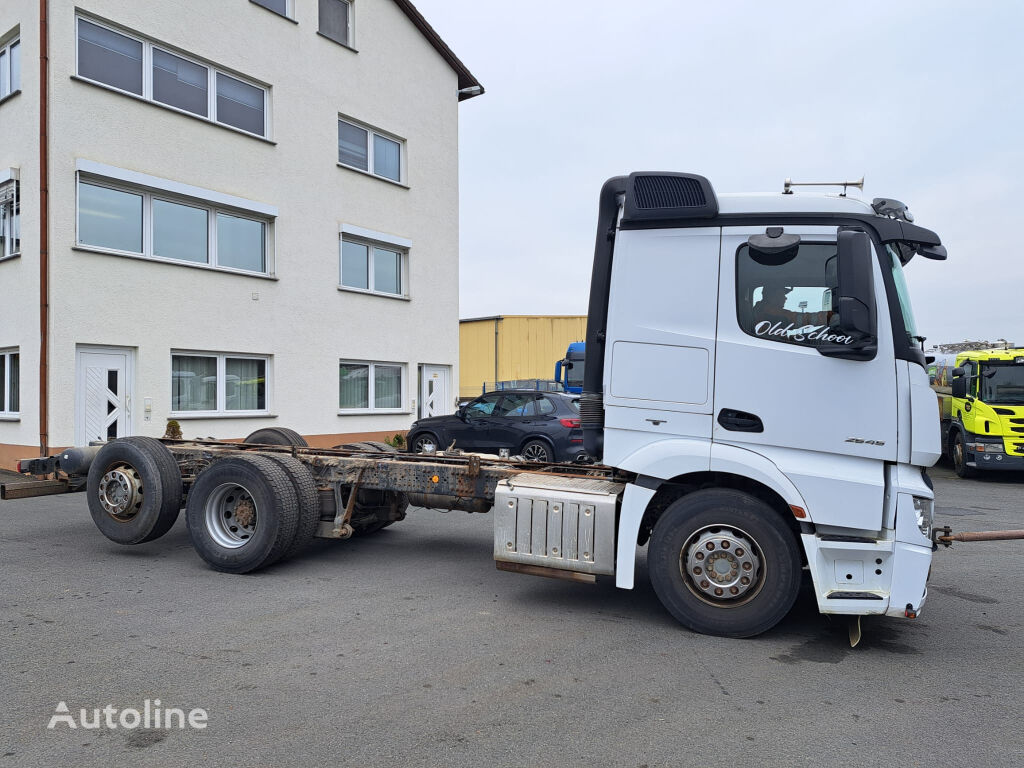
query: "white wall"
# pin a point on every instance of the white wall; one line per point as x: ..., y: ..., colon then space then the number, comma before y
x: 396, y: 82
x: 19, y: 278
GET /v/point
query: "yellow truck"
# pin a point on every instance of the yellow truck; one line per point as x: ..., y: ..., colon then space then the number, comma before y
x: 981, y: 406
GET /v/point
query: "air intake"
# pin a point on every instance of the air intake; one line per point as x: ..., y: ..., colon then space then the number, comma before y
x: 668, y: 192
x: 659, y: 199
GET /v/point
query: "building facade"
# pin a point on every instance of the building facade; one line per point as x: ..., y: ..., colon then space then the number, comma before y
x: 240, y: 214
x: 508, y: 347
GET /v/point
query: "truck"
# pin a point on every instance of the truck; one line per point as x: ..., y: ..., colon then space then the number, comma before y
x: 737, y: 489
x: 981, y: 409
x: 569, y: 370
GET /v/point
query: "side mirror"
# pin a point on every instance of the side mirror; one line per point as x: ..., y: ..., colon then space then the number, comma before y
x: 959, y: 383
x: 854, y: 299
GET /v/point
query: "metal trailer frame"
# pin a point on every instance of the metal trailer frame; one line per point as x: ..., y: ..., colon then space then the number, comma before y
x: 447, y: 480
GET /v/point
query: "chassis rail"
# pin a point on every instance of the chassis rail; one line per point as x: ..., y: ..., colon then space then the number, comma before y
x: 446, y: 480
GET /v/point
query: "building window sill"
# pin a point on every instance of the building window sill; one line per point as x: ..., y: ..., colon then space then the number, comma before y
x: 338, y: 42
x: 279, y: 15
x: 169, y: 108
x: 198, y: 416
x: 374, y: 412
x: 361, y: 172
x: 10, y: 417
x: 171, y: 262
x: 346, y: 289
x: 10, y: 96
x: 12, y: 257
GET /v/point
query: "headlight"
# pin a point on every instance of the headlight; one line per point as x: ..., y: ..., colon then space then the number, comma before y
x: 989, y: 447
x: 925, y: 511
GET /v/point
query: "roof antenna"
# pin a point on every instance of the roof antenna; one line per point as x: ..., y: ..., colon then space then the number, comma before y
x: 787, y: 188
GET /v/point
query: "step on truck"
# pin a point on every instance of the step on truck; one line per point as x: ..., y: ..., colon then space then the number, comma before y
x: 981, y: 406
x: 754, y: 394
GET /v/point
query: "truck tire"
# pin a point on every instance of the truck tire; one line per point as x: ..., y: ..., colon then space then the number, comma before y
x: 306, y: 495
x: 753, y: 559
x: 134, y: 490
x: 242, y: 514
x: 537, y: 450
x: 373, y: 507
x: 276, y: 436
x: 958, y: 455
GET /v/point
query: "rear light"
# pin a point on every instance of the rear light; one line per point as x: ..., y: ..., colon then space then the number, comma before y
x: 570, y: 423
x: 19, y: 467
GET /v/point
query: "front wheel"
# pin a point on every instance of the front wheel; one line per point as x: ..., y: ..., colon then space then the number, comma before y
x: 723, y: 562
x: 422, y: 440
x: 958, y: 451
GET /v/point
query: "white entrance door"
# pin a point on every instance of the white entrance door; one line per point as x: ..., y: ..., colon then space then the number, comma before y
x: 103, y: 393
x: 435, y: 399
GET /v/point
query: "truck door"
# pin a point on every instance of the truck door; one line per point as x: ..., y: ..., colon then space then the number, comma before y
x: 827, y: 423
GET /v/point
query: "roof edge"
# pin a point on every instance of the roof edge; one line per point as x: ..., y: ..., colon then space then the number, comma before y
x: 466, y: 78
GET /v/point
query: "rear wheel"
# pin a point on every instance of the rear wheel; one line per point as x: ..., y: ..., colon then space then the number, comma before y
x: 537, y: 450
x: 723, y: 562
x: 306, y: 495
x: 134, y: 490
x: 276, y: 436
x: 242, y: 514
x: 958, y: 452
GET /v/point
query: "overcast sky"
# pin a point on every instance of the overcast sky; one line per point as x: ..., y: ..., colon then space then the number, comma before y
x: 922, y: 98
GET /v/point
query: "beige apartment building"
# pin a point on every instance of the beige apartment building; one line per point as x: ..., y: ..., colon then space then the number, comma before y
x: 241, y: 214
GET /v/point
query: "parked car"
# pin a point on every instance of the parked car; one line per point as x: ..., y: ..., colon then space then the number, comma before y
x: 540, y: 426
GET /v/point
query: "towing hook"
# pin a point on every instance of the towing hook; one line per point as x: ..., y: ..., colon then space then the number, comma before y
x: 943, y: 536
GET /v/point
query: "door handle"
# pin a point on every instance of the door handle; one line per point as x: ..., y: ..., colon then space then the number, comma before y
x: 739, y: 421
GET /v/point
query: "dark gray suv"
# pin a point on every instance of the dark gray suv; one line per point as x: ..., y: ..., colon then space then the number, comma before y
x: 540, y: 426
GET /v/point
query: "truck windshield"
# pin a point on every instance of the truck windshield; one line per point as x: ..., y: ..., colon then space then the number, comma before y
x: 1002, y: 384
x: 574, y: 377
x: 904, y: 295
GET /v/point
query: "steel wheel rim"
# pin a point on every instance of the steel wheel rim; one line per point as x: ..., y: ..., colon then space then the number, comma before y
x: 536, y: 453
x: 120, y: 492
x: 958, y: 453
x: 722, y: 565
x: 231, y: 515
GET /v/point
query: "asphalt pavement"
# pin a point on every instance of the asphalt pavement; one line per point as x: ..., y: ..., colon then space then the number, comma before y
x: 409, y: 648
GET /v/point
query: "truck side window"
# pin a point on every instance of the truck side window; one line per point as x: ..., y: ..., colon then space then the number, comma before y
x: 788, y: 298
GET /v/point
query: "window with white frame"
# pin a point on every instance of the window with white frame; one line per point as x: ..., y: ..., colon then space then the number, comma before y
x: 336, y: 20
x: 10, y: 219
x: 122, y: 219
x: 146, y: 69
x: 366, y: 386
x: 373, y: 267
x: 280, y: 7
x: 10, y: 67
x: 368, y: 150
x: 10, y: 382
x: 212, y: 384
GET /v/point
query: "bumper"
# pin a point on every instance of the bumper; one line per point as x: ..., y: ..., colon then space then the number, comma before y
x: 995, y: 461
x: 858, y: 578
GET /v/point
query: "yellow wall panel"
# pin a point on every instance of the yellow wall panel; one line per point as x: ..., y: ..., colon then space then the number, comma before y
x: 514, y: 347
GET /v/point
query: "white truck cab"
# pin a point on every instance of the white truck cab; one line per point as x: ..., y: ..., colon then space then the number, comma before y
x: 753, y: 365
